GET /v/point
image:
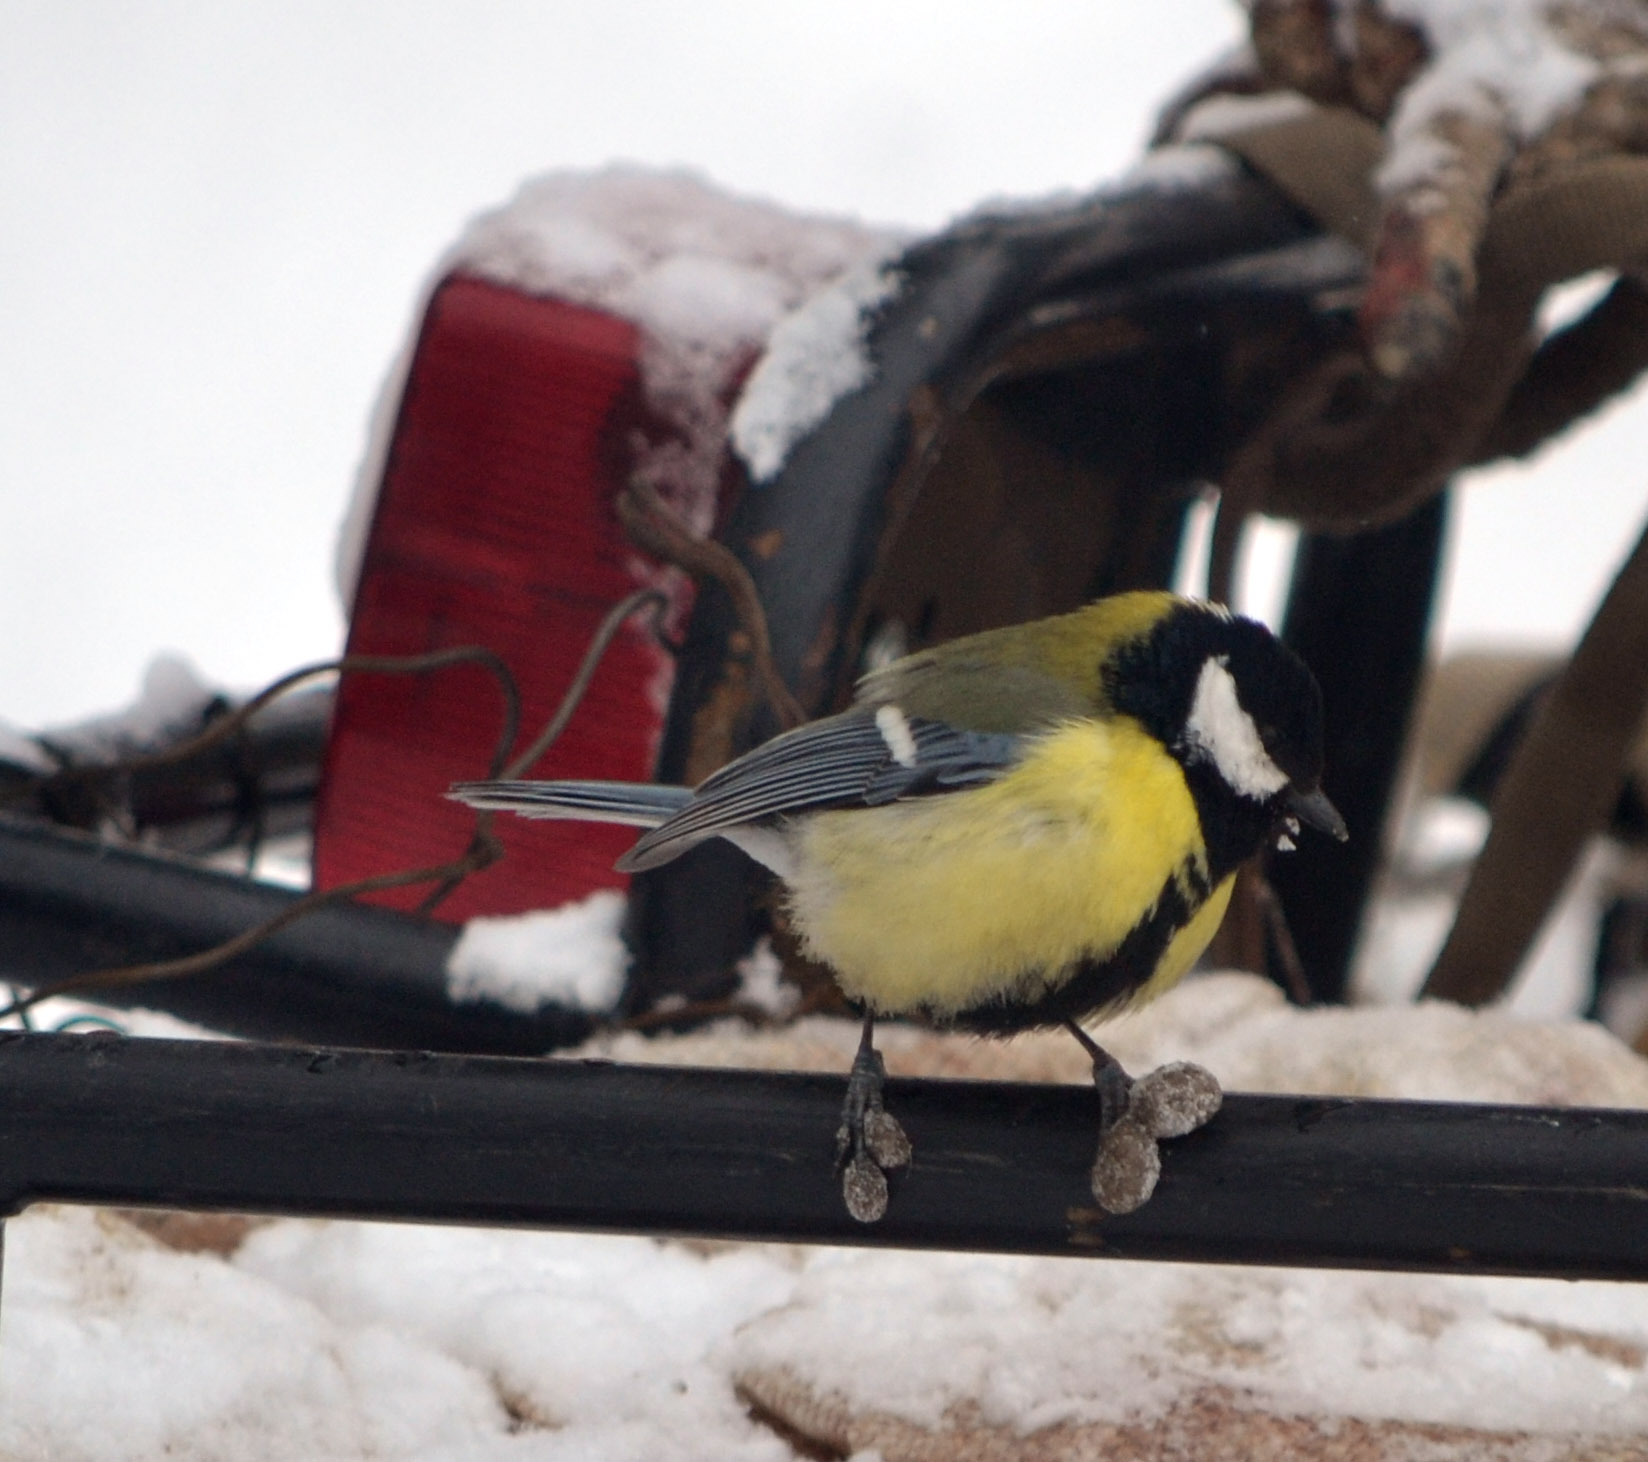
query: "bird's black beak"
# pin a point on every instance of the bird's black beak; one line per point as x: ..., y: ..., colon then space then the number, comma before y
x: 1314, y: 810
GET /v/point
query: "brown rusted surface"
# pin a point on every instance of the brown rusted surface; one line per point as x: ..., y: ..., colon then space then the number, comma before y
x: 193, y: 1233
x: 653, y: 526
x: 1212, y: 1425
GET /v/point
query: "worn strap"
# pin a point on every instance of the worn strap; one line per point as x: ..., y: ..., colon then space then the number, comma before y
x: 1323, y: 161
x: 1592, y: 214
x: 1557, y: 791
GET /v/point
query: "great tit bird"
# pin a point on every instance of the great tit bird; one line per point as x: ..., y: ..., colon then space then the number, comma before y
x: 1020, y: 828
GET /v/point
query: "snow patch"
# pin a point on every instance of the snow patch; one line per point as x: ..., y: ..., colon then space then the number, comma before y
x: 816, y: 356
x: 609, y: 1344
x: 1497, y: 60
x: 1503, y: 48
x: 573, y: 956
x: 118, y: 1347
x: 761, y: 982
x: 1026, y: 1344
x: 1252, y: 1040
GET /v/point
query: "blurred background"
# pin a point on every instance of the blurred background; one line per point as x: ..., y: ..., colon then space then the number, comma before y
x: 221, y: 220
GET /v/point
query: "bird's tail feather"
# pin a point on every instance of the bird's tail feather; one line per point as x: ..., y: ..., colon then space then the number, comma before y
x: 634, y: 804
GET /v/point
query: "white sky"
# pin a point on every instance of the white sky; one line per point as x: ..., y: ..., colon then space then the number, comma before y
x: 218, y: 219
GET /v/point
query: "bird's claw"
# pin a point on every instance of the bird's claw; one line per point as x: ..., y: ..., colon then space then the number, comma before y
x: 884, y: 1139
x: 864, y: 1189
x: 1170, y: 1101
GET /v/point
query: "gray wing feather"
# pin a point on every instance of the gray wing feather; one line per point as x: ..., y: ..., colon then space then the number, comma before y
x: 843, y: 761
x: 635, y: 804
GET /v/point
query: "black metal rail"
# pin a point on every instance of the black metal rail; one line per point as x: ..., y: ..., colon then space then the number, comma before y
x: 105, y: 1119
x: 345, y: 974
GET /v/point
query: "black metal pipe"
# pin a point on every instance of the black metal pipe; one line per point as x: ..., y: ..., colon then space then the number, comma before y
x: 591, y: 1145
x: 346, y: 974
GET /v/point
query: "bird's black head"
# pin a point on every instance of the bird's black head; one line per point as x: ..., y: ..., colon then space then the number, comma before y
x: 1242, y: 715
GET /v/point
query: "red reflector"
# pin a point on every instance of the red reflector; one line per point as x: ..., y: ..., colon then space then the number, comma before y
x: 494, y: 526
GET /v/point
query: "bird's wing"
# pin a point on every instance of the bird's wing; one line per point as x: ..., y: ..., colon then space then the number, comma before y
x: 863, y: 757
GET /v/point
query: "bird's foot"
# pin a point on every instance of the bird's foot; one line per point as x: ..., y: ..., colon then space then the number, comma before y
x: 1170, y: 1101
x: 870, y: 1143
x: 1135, y: 1115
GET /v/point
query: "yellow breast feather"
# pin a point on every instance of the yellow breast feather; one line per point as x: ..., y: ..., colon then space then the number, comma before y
x: 941, y: 903
x: 1186, y: 947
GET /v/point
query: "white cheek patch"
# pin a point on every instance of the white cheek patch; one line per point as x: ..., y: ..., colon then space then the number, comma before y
x: 895, y: 731
x: 1225, y: 733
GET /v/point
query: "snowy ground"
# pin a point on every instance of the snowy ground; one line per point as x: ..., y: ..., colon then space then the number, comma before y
x: 321, y: 1340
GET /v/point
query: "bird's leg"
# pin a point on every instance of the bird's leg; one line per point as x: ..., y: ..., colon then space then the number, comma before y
x: 1114, y: 1085
x: 1135, y: 1115
x: 869, y: 1142
x: 864, y: 1085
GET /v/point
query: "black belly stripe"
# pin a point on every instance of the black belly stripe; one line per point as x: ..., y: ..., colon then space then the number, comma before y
x: 1093, y: 983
